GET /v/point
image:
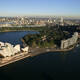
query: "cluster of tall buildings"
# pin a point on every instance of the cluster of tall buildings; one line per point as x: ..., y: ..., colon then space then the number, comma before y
x: 21, y: 21
x: 35, y: 21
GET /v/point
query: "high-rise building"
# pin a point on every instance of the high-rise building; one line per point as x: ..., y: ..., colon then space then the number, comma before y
x: 62, y: 21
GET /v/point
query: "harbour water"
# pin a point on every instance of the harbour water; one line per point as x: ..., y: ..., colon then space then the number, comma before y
x: 14, y: 37
x: 48, y: 66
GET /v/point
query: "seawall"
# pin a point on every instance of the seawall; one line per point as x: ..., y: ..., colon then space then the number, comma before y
x: 34, y: 52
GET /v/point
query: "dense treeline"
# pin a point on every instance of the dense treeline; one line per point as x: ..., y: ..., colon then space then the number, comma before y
x: 71, y: 29
x: 4, y: 29
x: 48, y: 37
x: 63, y: 28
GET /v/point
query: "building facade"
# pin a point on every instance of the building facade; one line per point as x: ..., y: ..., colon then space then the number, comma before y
x: 71, y: 41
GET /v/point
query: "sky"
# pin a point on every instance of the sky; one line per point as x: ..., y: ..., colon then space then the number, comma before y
x: 39, y: 7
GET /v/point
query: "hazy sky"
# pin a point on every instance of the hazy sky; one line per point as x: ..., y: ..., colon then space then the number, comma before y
x: 39, y: 7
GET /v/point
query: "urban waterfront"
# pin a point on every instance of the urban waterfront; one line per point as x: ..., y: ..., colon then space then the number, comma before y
x: 48, y: 66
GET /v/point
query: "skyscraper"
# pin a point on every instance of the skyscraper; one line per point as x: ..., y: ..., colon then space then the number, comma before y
x: 62, y: 21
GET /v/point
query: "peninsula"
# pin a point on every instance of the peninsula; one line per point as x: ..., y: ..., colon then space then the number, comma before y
x: 51, y: 37
x: 46, y: 40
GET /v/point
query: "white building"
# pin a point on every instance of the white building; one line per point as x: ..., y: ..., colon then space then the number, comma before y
x: 71, y: 41
x: 25, y: 49
x: 62, y: 21
x: 7, y: 50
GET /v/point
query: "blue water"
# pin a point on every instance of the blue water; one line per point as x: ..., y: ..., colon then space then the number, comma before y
x: 14, y: 37
x: 48, y: 66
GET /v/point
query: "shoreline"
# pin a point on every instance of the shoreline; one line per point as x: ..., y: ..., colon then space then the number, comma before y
x: 34, y: 53
x: 13, y: 59
x: 47, y: 50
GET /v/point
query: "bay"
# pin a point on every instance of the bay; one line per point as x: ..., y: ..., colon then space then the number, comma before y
x: 48, y: 66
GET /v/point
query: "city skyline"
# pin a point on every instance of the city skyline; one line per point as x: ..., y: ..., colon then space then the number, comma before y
x: 40, y: 8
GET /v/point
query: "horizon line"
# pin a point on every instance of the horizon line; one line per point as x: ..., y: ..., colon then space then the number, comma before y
x: 41, y: 15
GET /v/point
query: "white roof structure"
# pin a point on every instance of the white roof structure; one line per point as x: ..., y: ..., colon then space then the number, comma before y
x: 25, y: 49
x: 17, y: 48
x: 1, y: 43
x: 8, y: 49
